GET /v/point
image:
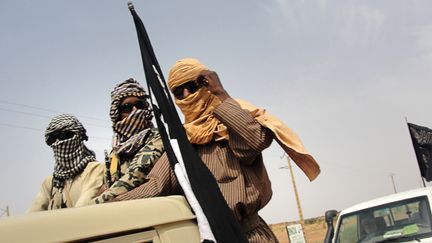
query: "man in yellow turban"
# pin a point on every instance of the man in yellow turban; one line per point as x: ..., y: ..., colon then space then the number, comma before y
x: 229, y: 136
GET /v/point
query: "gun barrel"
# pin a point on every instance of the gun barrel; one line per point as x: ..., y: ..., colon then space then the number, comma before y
x: 107, y: 166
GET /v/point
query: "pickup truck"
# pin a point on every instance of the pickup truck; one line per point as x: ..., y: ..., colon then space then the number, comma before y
x: 160, y: 220
x: 400, y: 217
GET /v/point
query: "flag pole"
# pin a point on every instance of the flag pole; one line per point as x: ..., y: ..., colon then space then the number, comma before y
x: 421, y: 177
x: 217, y: 222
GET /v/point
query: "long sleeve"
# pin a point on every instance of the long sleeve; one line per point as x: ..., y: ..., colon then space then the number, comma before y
x: 247, y: 137
x: 41, y: 201
x: 161, y: 181
x: 137, y: 170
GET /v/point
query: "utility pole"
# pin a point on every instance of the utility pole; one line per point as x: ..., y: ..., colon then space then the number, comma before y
x: 5, y: 211
x: 393, y: 183
x: 295, y: 188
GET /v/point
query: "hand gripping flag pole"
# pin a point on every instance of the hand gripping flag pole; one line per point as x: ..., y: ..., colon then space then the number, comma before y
x: 215, y: 220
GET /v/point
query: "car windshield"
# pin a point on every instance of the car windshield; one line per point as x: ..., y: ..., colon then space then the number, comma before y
x: 404, y: 220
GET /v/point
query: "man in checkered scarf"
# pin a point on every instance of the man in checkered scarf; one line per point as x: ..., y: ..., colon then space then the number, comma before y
x: 136, y: 145
x: 77, y: 177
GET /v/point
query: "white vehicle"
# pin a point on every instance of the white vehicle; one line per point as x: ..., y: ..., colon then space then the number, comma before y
x: 400, y: 217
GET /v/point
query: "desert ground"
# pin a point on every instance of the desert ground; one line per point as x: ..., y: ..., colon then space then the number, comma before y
x: 314, y: 230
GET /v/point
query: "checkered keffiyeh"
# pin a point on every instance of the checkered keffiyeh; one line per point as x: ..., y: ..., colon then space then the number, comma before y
x: 71, y: 155
x: 130, y: 131
x: 124, y: 89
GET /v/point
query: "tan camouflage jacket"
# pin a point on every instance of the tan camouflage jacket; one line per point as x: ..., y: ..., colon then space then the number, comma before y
x: 133, y: 169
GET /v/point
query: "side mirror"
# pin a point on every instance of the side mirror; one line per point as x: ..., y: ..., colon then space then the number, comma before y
x: 329, y: 216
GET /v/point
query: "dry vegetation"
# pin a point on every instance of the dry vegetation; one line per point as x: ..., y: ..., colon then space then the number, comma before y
x: 314, y: 230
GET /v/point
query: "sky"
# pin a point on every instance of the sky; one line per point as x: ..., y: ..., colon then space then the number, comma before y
x: 343, y: 74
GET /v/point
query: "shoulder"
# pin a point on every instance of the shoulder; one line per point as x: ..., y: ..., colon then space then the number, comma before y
x: 94, y: 164
x: 47, y: 182
x: 153, y: 144
x: 94, y: 167
x: 154, y: 138
x: 93, y: 173
x: 154, y: 133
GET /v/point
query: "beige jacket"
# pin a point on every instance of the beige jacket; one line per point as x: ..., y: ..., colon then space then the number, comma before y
x: 77, y: 192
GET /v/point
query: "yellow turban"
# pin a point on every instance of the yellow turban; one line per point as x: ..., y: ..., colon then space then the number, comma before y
x: 200, y: 124
x: 184, y: 70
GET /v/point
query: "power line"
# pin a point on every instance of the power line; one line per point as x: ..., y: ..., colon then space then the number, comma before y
x: 23, y: 127
x: 46, y: 116
x: 24, y: 113
x: 48, y: 110
x: 43, y: 116
x: 40, y: 130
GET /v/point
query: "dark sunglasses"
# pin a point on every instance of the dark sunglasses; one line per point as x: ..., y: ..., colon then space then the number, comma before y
x: 192, y: 86
x: 128, y: 107
x: 59, y: 136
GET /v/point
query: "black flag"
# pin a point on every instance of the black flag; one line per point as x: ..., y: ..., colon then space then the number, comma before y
x: 422, y: 141
x: 224, y: 227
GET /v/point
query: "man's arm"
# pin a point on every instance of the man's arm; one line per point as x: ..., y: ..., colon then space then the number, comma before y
x: 161, y: 181
x: 42, y: 199
x: 140, y: 166
x: 247, y: 137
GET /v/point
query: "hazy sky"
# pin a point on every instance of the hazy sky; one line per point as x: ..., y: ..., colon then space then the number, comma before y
x: 342, y: 74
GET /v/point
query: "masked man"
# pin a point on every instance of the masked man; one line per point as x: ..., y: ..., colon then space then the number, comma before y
x: 77, y: 176
x: 229, y: 136
x: 137, y: 145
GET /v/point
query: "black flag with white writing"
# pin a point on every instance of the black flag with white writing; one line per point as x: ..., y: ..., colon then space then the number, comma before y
x: 422, y: 141
x: 216, y: 222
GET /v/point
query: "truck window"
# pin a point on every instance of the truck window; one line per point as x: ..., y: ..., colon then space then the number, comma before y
x: 406, y: 218
x: 348, y: 229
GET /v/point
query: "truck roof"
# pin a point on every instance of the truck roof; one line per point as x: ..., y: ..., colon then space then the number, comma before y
x: 389, y: 198
x: 72, y: 224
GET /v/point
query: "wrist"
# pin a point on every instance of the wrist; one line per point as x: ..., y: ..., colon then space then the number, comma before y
x: 222, y: 95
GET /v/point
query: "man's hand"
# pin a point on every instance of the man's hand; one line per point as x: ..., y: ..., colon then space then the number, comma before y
x: 210, y: 81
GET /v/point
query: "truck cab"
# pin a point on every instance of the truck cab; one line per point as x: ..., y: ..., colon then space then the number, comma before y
x: 400, y: 217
